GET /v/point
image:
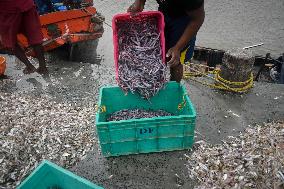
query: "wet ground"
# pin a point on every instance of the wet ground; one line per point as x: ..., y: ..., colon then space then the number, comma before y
x: 240, y: 23
x: 219, y: 114
x: 229, y: 23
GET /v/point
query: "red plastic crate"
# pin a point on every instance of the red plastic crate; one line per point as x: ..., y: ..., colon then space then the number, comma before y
x: 128, y: 17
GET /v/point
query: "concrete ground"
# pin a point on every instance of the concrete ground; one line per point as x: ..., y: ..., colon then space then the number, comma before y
x: 240, y: 23
x: 228, y: 23
x: 219, y: 114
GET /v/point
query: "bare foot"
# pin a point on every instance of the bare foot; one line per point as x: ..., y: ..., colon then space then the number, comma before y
x: 42, y: 70
x: 29, y: 69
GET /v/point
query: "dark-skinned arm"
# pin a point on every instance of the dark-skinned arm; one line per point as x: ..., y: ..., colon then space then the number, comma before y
x: 196, y: 20
x: 137, y: 6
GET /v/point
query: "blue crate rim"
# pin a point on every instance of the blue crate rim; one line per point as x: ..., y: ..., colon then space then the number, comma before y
x: 191, y: 106
x: 65, y: 171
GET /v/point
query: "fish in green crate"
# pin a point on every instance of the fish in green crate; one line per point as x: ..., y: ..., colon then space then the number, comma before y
x: 126, y: 114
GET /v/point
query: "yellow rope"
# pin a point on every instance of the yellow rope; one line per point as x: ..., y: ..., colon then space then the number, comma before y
x: 220, y: 83
x: 182, y: 104
x: 100, y: 109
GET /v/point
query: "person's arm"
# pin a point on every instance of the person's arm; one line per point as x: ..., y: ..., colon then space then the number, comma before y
x: 137, y: 6
x: 196, y: 20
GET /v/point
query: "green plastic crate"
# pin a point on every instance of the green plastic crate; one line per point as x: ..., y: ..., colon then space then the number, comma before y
x: 48, y: 175
x: 150, y: 134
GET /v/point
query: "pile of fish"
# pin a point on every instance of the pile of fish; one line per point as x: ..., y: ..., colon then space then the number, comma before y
x: 33, y: 129
x: 141, y: 68
x: 136, y: 114
x: 255, y: 159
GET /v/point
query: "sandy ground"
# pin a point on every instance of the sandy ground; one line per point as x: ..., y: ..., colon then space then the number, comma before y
x: 219, y: 114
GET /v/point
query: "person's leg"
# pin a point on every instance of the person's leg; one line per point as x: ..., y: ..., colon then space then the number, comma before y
x: 32, y: 30
x: 176, y: 73
x: 20, y: 54
x: 38, y: 49
x: 9, y: 27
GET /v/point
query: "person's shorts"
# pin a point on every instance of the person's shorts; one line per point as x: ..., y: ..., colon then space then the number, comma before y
x: 174, y: 28
x: 27, y: 23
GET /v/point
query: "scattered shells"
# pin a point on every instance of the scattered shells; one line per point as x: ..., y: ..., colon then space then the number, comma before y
x: 252, y: 160
x: 33, y: 129
x: 110, y: 176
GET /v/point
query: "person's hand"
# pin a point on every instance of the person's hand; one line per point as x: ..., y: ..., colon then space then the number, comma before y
x: 136, y: 7
x: 174, y: 53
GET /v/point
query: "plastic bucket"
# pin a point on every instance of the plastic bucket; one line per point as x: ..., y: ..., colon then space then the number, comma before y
x: 2, y: 65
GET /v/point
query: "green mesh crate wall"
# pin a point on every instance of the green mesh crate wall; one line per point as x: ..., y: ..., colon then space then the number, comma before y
x: 48, y: 175
x: 150, y: 134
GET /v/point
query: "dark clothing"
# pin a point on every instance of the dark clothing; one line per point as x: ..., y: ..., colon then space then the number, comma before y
x: 173, y: 31
x: 177, y: 8
x: 176, y: 21
x: 15, y: 6
x: 26, y: 23
x: 44, y: 6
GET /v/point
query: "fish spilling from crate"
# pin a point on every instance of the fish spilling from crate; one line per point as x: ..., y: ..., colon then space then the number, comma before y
x: 141, y: 68
x: 137, y: 114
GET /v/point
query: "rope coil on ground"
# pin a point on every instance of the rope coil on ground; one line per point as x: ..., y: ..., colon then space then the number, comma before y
x: 220, y: 83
